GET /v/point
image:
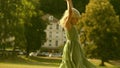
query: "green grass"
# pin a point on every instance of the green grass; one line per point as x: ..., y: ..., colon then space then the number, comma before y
x: 31, y: 62
x: 40, y: 62
x: 107, y: 65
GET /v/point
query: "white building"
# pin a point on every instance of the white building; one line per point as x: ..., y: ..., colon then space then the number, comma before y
x: 55, y: 33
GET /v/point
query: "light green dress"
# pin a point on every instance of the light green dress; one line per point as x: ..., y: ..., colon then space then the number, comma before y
x: 73, y: 56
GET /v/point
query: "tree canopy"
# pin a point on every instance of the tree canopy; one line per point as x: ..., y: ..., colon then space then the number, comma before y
x: 21, y: 20
x: 57, y: 7
x: 101, y: 25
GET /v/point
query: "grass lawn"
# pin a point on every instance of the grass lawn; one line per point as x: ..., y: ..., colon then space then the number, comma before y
x: 5, y: 65
x: 40, y: 62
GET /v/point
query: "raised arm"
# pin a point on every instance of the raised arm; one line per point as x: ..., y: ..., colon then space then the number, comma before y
x: 69, y: 5
x: 69, y: 9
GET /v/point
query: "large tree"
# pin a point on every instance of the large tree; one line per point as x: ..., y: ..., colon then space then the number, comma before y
x: 11, y: 23
x: 21, y: 21
x: 34, y: 28
x: 101, y: 26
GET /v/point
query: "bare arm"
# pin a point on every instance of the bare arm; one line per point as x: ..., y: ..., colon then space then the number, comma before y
x: 69, y: 8
x: 69, y: 5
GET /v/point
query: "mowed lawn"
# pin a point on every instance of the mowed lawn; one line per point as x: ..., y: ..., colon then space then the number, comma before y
x: 42, y: 62
x: 23, y: 66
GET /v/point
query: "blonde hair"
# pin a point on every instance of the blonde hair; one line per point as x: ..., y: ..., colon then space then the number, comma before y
x: 75, y: 14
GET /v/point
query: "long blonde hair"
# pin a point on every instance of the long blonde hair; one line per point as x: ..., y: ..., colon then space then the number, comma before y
x: 75, y: 14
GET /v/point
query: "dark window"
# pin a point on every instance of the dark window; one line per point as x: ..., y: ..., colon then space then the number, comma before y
x: 64, y: 42
x: 56, y: 43
x: 50, y: 27
x: 57, y: 26
x: 49, y: 44
x: 50, y: 40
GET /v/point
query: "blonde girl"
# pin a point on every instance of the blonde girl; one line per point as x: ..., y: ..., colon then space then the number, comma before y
x: 73, y: 56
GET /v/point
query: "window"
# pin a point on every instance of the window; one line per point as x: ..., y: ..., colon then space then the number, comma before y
x: 64, y: 42
x: 50, y: 40
x: 57, y: 26
x: 50, y: 36
x: 50, y: 32
x: 49, y: 44
x: 50, y: 18
x: 62, y: 29
x: 56, y: 43
x: 50, y: 27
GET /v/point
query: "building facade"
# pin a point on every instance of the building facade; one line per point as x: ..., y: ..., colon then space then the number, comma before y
x: 55, y: 33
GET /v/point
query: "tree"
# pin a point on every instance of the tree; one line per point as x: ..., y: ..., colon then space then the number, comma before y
x: 101, y: 26
x: 54, y: 7
x: 21, y: 19
x: 57, y: 7
x: 11, y: 23
x: 116, y: 6
x: 34, y: 28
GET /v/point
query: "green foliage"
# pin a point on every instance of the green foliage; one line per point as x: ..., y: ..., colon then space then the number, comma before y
x: 21, y: 19
x: 34, y: 33
x: 57, y: 7
x: 116, y: 5
x: 34, y: 28
x: 54, y: 7
x: 80, y: 4
x: 102, y: 28
x: 11, y: 22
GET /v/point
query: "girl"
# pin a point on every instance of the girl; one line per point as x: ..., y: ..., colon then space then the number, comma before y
x: 73, y: 56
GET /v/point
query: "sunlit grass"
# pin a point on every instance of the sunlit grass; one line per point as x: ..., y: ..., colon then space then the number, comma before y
x: 107, y: 65
x: 8, y: 65
x: 22, y: 61
x: 40, y: 62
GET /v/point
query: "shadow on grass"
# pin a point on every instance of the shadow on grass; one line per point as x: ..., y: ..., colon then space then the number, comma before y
x: 45, y: 61
x: 97, y: 62
x: 115, y: 62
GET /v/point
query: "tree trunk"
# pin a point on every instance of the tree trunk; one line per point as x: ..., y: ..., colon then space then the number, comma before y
x: 102, y: 63
x: 4, y: 50
x: 14, y: 53
x: 27, y: 51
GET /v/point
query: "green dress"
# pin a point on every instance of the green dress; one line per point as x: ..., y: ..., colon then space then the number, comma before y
x: 73, y: 56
